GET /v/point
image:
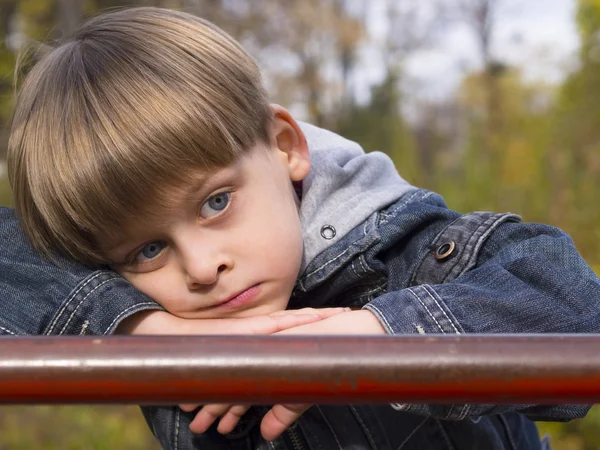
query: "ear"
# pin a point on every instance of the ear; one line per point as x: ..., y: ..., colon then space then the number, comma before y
x: 290, y: 142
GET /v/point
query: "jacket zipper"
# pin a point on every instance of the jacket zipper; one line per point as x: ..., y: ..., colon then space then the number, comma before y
x: 296, y: 441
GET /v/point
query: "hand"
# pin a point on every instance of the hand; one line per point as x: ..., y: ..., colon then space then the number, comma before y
x: 280, y: 417
x: 275, y: 422
x: 362, y: 322
x: 161, y: 322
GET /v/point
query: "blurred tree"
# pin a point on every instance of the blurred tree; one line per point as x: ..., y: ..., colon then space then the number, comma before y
x: 379, y: 125
x: 575, y: 149
x: 515, y: 178
x: 480, y: 16
x: 7, y: 62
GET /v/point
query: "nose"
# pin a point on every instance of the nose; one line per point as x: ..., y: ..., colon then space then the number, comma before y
x: 204, y: 264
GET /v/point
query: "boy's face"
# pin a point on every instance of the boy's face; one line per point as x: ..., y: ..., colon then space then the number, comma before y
x: 228, y: 245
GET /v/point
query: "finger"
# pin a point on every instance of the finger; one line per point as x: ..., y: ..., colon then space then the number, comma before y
x: 231, y: 418
x: 287, y: 321
x: 321, y: 312
x: 273, y: 324
x: 188, y: 407
x: 279, y: 418
x: 207, y: 415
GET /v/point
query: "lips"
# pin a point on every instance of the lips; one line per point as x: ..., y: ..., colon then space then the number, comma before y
x: 242, y: 297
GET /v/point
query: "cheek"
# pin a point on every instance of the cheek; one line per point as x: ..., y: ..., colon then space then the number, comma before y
x: 158, y: 286
x: 277, y: 241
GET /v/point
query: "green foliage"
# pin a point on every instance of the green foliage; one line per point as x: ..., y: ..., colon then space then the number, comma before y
x: 5, y: 196
x: 580, y: 434
x: 380, y: 126
x: 574, y: 151
x: 75, y: 428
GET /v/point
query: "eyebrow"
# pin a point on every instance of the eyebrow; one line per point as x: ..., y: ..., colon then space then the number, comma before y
x: 195, y: 184
x: 198, y: 182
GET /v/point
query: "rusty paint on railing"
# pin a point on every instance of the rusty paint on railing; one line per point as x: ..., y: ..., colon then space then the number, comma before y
x: 265, y: 369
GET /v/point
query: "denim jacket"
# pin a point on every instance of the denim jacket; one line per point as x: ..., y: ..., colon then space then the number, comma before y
x: 418, y: 266
x: 503, y: 276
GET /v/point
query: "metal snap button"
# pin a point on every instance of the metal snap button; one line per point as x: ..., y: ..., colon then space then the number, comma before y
x: 444, y: 250
x: 328, y: 231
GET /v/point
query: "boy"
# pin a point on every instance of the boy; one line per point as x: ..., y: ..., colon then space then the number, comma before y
x: 147, y: 144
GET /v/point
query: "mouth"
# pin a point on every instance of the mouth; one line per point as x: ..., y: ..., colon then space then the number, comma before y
x: 241, y: 298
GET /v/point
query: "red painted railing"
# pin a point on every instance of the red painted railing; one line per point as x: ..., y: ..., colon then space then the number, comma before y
x: 266, y: 369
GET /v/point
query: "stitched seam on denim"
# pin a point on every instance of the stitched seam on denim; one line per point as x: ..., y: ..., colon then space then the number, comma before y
x: 365, y: 428
x: 7, y: 330
x: 337, y: 441
x: 403, y: 407
x: 122, y: 313
x: 426, y: 309
x: 72, y: 296
x: 392, y: 213
x: 354, y: 270
x: 427, y: 289
x: 448, y: 311
x: 481, y: 235
x: 464, y: 412
x: 507, y: 428
x: 431, y: 292
x: 363, y: 264
x: 376, y: 288
x: 328, y: 262
x: 450, y: 412
x: 444, y: 434
x: 176, y: 434
x: 468, y: 247
x: 412, y: 433
x: 84, y: 327
x: 381, y: 317
x: 499, y: 219
x: 79, y: 304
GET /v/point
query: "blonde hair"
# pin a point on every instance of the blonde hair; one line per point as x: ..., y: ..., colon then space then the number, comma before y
x: 135, y: 101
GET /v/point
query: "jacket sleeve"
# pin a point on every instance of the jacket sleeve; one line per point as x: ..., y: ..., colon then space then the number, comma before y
x: 502, y: 276
x: 40, y: 297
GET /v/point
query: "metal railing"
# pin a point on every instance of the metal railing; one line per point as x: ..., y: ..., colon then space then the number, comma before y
x: 316, y: 369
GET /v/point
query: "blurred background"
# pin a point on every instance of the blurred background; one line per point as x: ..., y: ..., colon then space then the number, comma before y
x: 492, y: 103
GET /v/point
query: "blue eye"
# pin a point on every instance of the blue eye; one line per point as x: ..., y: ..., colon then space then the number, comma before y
x: 151, y: 250
x: 215, y: 204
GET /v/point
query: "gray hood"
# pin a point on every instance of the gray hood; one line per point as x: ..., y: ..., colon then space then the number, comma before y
x: 344, y: 187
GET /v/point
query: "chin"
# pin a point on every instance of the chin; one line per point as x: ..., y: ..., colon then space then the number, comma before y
x: 260, y: 310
